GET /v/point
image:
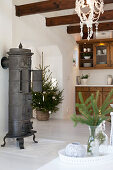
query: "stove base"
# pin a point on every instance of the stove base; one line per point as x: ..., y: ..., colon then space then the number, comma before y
x: 20, y: 139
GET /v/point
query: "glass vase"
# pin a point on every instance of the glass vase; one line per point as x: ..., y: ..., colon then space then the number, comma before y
x: 98, y: 140
x: 93, y: 144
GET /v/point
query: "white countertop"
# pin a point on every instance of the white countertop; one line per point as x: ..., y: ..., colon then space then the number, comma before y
x: 94, y: 85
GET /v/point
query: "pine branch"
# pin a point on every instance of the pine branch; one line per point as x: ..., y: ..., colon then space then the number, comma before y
x: 81, y: 97
x: 107, y: 102
x: 92, y: 114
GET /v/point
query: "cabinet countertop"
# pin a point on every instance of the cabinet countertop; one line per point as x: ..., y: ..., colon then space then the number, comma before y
x: 94, y: 85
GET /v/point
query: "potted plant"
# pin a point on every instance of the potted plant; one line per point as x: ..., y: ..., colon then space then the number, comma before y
x: 93, y: 116
x: 84, y: 79
x: 47, y: 101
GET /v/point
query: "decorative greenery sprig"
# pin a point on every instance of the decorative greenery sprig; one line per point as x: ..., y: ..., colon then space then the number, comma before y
x: 50, y: 97
x: 92, y: 114
x: 84, y: 76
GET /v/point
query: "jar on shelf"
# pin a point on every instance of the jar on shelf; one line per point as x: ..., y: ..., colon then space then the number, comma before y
x: 109, y: 79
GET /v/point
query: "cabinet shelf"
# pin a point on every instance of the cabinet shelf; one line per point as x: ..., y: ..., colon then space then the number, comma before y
x: 86, y: 60
x: 86, y: 52
x: 86, y: 68
x: 101, y: 55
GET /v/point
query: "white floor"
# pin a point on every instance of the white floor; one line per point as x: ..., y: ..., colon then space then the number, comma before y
x: 52, y: 135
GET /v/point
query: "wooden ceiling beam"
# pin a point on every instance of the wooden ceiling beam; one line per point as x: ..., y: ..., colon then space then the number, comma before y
x: 102, y: 27
x: 62, y: 20
x: 44, y: 6
x: 74, y: 19
x: 47, y: 6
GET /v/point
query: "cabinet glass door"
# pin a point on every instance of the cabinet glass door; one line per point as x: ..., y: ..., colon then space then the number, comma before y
x: 102, y: 54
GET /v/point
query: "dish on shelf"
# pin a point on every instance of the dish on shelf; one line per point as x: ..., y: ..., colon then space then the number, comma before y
x: 87, y: 64
x: 87, y: 57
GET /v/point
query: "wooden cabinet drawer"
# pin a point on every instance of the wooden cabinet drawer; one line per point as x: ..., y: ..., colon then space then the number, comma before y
x: 81, y: 89
x: 107, y: 89
x: 94, y: 89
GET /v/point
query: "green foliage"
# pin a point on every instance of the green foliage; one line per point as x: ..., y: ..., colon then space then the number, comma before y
x: 92, y: 114
x: 101, y: 138
x: 87, y: 54
x: 50, y: 97
x: 85, y: 76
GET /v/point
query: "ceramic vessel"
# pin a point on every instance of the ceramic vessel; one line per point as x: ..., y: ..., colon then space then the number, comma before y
x: 84, y: 81
x: 89, y: 49
x: 84, y: 50
x: 109, y: 79
x: 75, y: 150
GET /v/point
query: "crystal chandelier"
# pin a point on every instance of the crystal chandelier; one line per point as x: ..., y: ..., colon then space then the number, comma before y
x: 89, y: 12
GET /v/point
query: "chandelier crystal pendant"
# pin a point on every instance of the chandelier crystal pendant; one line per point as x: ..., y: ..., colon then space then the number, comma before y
x: 89, y: 12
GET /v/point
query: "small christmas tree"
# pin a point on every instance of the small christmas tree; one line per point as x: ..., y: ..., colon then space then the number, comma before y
x: 50, y: 97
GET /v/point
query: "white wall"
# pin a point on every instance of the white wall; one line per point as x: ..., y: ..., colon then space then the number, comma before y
x: 5, y: 44
x: 97, y: 77
x: 58, y: 50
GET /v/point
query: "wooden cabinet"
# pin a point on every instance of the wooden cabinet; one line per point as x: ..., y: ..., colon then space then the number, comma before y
x: 104, y: 96
x: 111, y: 54
x: 101, y: 55
x: 106, y: 90
x: 87, y: 91
x: 96, y: 54
x: 86, y: 55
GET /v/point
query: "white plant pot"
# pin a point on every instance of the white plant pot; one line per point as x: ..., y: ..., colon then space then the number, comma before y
x: 84, y: 81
